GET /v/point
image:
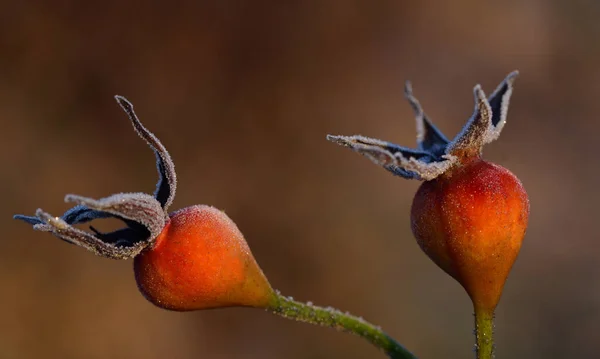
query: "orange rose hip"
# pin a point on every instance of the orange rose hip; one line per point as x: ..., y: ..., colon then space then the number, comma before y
x: 194, y: 258
x: 201, y: 261
x: 471, y: 223
x: 469, y: 216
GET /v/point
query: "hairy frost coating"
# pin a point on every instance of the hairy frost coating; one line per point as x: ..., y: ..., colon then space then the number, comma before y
x: 144, y: 215
x: 435, y: 154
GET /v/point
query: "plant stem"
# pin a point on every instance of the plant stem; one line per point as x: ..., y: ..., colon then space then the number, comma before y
x: 484, y: 333
x: 333, y: 318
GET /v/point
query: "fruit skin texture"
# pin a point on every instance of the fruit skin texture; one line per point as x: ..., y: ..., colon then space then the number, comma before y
x: 471, y: 222
x: 201, y: 261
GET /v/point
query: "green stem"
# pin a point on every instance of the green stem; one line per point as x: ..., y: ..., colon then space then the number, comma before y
x: 484, y: 333
x: 329, y: 317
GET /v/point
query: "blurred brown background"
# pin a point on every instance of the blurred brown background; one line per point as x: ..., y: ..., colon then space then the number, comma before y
x: 242, y: 93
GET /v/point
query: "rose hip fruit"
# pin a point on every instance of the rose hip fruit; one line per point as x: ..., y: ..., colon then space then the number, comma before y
x: 200, y: 261
x: 471, y: 221
x: 469, y: 216
x: 195, y: 258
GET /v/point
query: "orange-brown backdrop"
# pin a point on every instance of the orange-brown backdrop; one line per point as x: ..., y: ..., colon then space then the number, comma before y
x: 242, y: 93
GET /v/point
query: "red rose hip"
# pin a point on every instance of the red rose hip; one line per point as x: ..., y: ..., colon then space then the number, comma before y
x: 201, y: 261
x: 195, y: 258
x: 469, y: 216
x: 471, y: 222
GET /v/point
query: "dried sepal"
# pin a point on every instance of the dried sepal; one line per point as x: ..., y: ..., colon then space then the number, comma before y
x: 429, y: 138
x: 469, y: 142
x: 141, y: 212
x: 75, y: 215
x: 401, y: 161
x: 167, y: 183
x: 83, y: 214
x: 137, y: 207
x: 144, y: 216
x: 61, y: 229
x: 499, y: 101
x: 28, y: 219
x: 435, y: 154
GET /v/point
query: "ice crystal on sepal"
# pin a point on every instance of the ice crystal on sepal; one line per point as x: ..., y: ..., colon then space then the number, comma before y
x: 435, y: 154
x: 144, y: 215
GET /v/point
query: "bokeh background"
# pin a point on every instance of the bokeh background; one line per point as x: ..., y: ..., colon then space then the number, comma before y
x: 242, y: 93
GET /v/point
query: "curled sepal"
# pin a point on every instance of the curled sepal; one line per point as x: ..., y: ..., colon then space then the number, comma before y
x: 167, y: 182
x: 429, y: 138
x: 122, y: 249
x: 137, y: 207
x: 83, y: 214
x: 401, y: 161
x: 435, y: 154
x: 499, y: 101
x: 142, y: 214
x: 75, y: 215
x: 469, y: 142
